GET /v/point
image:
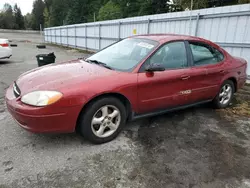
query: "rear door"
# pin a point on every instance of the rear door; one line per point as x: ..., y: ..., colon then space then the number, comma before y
x: 206, y: 72
x: 165, y: 89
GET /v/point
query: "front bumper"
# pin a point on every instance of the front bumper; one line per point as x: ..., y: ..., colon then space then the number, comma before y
x: 42, y: 119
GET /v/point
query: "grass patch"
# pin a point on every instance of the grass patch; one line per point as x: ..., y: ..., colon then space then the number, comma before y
x: 240, y: 105
x: 247, y: 84
x: 240, y: 109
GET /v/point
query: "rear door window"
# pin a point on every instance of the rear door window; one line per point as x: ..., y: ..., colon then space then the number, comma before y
x: 204, y: 54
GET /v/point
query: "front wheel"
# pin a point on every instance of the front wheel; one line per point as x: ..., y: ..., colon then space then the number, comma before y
x: 103, y: 120
x: 225, y: 95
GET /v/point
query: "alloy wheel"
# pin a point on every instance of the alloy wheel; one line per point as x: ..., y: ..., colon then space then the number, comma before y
x: 106, y: 121
x: 225, y: 94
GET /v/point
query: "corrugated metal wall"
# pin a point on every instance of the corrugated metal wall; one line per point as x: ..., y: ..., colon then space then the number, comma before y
x: 228, y: 26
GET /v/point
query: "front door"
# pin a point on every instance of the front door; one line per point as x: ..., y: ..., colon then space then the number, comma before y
x: 165, y: 89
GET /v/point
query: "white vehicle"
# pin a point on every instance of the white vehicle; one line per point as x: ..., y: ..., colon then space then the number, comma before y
x: 5, y: 50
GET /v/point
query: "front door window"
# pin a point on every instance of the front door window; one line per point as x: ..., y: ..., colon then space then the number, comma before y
x: 171, y: 56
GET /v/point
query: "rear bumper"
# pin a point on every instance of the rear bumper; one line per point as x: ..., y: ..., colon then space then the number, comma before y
x: 241, y: 82
x: 7, y: 57
x: 248, y: 80
x: 5, y: 52
x: 48, y: 119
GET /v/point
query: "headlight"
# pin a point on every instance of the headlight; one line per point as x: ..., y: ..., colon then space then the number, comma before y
x: 41, y: 98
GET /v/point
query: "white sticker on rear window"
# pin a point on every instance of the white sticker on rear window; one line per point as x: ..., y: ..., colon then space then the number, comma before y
x: 145, y: 45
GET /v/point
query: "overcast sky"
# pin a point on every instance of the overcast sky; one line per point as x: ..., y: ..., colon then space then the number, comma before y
x: 25, y: 5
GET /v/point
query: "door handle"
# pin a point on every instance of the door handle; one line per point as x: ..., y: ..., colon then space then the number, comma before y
x: 185, y: 77
x: 222, y: 71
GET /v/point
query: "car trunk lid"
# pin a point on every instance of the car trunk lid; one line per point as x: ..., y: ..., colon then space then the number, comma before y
x: 4, y: 43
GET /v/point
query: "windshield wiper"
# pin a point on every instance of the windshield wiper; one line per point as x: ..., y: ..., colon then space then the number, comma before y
x: 99, y: 63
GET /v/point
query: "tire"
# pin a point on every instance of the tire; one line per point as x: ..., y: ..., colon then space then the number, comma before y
x: 97, y: 110
x: 218, y: 101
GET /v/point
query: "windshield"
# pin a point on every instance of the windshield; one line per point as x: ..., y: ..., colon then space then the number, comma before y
x: 126, y: 54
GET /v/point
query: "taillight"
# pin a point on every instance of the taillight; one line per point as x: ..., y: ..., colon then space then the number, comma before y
x: 4, y: 45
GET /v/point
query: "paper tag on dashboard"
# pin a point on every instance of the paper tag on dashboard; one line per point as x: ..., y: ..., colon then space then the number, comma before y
x: 145, y: 45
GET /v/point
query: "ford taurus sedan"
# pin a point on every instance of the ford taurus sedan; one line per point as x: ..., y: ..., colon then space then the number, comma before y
x: 137, y: 77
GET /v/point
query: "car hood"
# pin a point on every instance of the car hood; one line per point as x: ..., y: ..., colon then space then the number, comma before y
x: 56, y: 76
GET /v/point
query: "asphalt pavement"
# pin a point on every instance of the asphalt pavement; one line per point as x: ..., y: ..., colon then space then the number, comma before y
x: 192, y: 148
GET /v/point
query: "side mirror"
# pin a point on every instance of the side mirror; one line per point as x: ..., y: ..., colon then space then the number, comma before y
x: 155, y: 67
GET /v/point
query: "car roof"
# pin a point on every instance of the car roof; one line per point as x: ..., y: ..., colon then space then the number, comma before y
x: 162, y: 38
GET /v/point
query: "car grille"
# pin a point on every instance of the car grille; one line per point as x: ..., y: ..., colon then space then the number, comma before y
x: 16, y: 90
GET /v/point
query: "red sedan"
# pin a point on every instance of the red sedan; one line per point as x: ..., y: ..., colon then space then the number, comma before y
x: 137, y: 77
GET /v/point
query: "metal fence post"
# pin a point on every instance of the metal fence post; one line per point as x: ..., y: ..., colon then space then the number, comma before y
x: 56, y: 35
x: 86, y: 42
x: 99, y: 36
x: 60, y: 35
x: 51, y: 36
x: 67, y: 35
x: 44, y: 35
x: 148, y: 27
x: 197, y: 24
x: 119, y: 31
x: 75, y: 38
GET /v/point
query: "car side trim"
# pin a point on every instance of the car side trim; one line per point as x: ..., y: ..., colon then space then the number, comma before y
x: 139, y: 116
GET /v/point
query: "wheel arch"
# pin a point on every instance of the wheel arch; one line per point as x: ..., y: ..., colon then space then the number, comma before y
x: 119, y: 96
x: 233, y: 79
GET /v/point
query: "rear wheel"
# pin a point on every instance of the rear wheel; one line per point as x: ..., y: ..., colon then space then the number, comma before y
x: 225, y: 95
x: 102, y: 120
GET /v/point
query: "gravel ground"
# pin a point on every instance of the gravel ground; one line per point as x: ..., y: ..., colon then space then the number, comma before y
x: 196, y: 147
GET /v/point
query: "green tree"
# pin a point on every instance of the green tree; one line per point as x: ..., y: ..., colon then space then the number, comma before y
x: 46, y: 15
x: 7, y: 20
x: 93, y: 7
x: 38, y: 18
x: 154, y: 7
x: 19, y: 19
x: 199, y: 4
x: 48, y: 3
x: 28, y: 21
x: 78, y: 12
x: 243, y: 1
x: 58, y: 12
x: 109, y: 11
x: 129, y: 8
x: 2, y: 26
